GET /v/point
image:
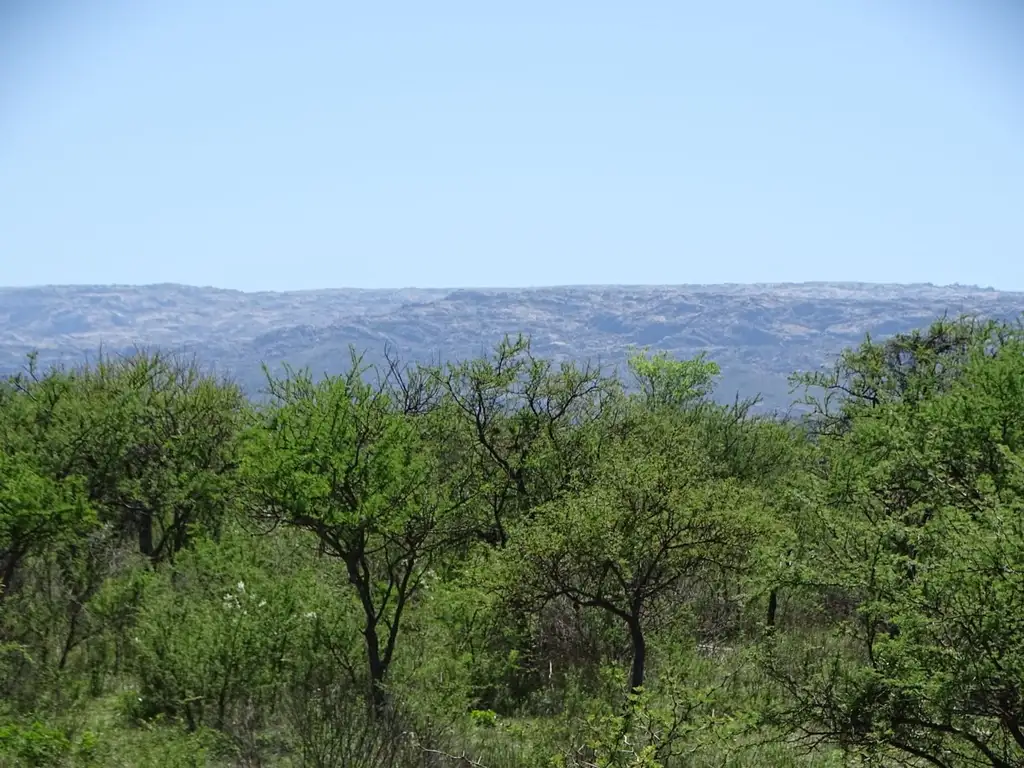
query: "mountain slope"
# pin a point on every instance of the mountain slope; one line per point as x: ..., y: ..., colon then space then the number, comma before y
x: 759, y: 334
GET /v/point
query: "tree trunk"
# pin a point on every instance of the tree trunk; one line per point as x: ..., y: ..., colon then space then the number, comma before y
x: 144, y: 521
x: 7, y: 571
x: 378, y: 668
x: 636, y: 639
x: 773, y: 608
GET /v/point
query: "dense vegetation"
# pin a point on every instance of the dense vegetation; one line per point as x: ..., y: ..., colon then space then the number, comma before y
x: 506, y: 563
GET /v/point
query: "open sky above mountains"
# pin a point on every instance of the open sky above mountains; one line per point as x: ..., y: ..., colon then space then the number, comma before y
x: 310, y: 143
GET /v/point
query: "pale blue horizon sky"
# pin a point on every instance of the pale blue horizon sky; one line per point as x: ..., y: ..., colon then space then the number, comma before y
x: 296, y: 144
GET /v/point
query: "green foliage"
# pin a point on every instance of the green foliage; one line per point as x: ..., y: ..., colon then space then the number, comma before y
x: 919, y: 524
x: 665, y: 382
x: 526, y: 430
x: 507, y: 563
x: 343, y: 461
x: 215, y: 638
x: 35, y: 512
x: 483, y: 718
x: 650, y: 532
x: 33, y: 745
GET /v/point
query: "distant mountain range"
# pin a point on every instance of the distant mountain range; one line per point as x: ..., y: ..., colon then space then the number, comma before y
x: 759, y: 334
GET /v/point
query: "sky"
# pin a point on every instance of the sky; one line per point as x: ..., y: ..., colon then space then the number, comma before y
x: 299, y: 144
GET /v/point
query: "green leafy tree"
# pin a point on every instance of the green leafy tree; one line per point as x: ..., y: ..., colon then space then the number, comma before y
x: 217, y: 636
x: 906, y: 368
x: 101, y: 462
x: 521, y: 425
x: 918, y: 510
x: 36, y: 510
x: 641, y: 540
x: 154, y: 438
x: 344, y: 460
x: 677, y: 384
x: 35, y: 513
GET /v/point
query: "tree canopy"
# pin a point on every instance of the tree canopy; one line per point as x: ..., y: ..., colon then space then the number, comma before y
x: 507, y: 562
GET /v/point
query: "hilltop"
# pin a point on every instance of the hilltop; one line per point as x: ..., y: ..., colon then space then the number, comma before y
x: 759, y: 334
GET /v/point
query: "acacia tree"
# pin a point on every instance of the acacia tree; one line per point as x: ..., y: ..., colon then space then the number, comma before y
x: 677, y: 384
x: 153, y: 438
x: 740, y: 444
x: 348, y: 461
x: 35, y: 513
x: 99, y: 464
x: 758, y: 450
x: 641, y: 540
x: 907, y: 368
x: 917, y: 516
x: 523, y: 425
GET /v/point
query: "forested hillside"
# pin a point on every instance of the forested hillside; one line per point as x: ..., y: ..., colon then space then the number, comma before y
x: 514, y: 562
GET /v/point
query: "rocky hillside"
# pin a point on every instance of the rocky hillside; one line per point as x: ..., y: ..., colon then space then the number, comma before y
x: 759, y: 334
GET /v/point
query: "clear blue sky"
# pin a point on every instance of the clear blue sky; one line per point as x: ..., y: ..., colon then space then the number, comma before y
x: 320, y: 143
